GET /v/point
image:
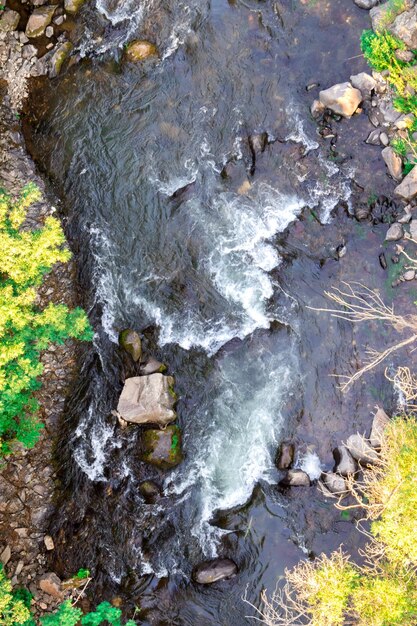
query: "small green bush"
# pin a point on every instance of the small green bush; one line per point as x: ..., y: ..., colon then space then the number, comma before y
x: 25, y: 330
x: 14, y: 609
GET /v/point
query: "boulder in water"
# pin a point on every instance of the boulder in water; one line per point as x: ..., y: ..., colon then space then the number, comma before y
x: 285, y: 456
x: 39, y: 20
x: 345, y: 463
x: 295, y: 478
x: 211, y: 571
x: 148, y: 400
x: 341, y: 98
x: 150, y: 491
x: 162, y: 447
x: 335, y: 483
x: 140, y: 50
x: 131, y: 342
x: 152, y: 366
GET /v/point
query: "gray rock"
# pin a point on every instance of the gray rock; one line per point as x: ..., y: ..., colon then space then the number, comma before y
x: 364, y: 82
x: 211, y: 571
x: 29, y: 51
x: 374, y: 138
x: 285, y: 455
x: 389, y: 114
x: 413, y: 229
x: 131, y: 342
x: 5, y: 556
x: 341, y: 98
x: 317, y: 109
x: 345, y: 463
x: 9, y: 21
x: 407, y: 189
x: 59, y: 20
x: 152, y: 366
x: 378, y: 15
x: 162, y: 448
x: 393, y: 162
x: 384, y: 139
x: 334, y: 483
x: 409, y: 275
x: 360, y: 449
x: 379, y: 424
x: 296, y: 478
x: 366, y: 4
x: 49, y: 31
x: 404, y: 27
x: 39, y: 20
x: 394, y: 232
x: 148, y: 400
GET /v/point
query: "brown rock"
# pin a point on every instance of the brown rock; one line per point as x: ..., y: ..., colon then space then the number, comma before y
x: 285, y: 455
x: 212, y: 571
x: 139, y: 50
x: 394, y: 232
x: 51, y: 584
x: 9, y: 21
x: 39, y: 20
x: 393, y: 162
x: 296, y: 478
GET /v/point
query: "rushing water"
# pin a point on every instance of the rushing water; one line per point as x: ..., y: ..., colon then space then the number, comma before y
x: 198, y: 261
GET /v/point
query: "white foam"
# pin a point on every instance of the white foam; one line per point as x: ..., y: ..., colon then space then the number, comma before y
x: 311, y: 465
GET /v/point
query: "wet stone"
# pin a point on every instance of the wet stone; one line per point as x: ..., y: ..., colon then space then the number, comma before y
x: 395, y: 232
x: 295, y: 478
x: 148, y: 399
x: 131, y: 342
x: 285, y: 455
x: 214, y: 570
x: 162, y: 448
x: 360, y: 449
x: 149, y: 490
x: 139, y: 50
x: 345, y: 463
x: 73, y: 6
x: 334, y: 483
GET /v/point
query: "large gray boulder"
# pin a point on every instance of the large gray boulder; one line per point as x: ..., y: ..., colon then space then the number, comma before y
x: 335, y: 483
x: 341, y: 98
x: 404, y: 27
x: 212, y: 571
x: 345, y: 463
x: 407, y: 189
x: 361, y: 450
x: 379, y: 424
x: 148, y: 400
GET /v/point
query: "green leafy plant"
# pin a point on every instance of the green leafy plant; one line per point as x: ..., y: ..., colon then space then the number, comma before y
x: 25, y: 329
x: 82, y: 573
x: 14, y: 606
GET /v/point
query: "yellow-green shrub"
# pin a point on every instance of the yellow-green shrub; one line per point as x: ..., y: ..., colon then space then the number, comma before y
x: 25, y: 330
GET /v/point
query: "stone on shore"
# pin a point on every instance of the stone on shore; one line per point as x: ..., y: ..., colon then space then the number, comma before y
x: 413, y: 229
x: 9, y: 21
x: 152, y: 366
x: 162, y: 448
x: 73, y: 6
x: 407, y: 189
x: 51, y: 584
x: 39, y: 20
x: 317, y: 108
x: 341, y: 98
x: 366, y: 4
x: 295, y: 478
x: 60, y: 54
x: 148, y: 400
x: 139, y: 50
x: 404, y: 28
x: 285, y: 455
x: 131, y: 342
x: 393, y: 162
x: 379, y: 424
x: 394, y: 232
x: 212, y: 571
x: 345, y: 463
x: 335, y: 483
x: 364, y: 82
x: 379, y: 15
x: 361, y: 450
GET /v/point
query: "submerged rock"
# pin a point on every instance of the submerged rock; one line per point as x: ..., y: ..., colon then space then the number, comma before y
x: 39, y: 20
x: 152, y: 366
x: 379, y: 424
x: 341, y: 98
x: 139, y: 50
x: 162, y: 448
x: 295, y: 478
x: 212, y: 571
x: 61, y: 53
x: 393, y: 162
x: 131, y: 342
x: 361, y: 450
x: 345, y: 463
x: 150, y: 491
x: 73, y: 6
x: 407, y: 189
x: 285, y: 455
x: 148, y: 400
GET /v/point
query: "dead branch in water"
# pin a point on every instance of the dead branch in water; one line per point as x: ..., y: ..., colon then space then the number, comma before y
x: 357, y: 303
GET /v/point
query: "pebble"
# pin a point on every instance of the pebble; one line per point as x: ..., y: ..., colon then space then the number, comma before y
x: 395, y: 232
x: 384, y: 139
x: 409, y: 275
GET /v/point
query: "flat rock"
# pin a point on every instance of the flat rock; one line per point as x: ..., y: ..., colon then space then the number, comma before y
x: 5, y: 556
x: 407, y: 189
x: 345, y: 463
x: 49, y: 542
x: 341, y: 98
x: 379, y: 424
x: 366, y: 4
x: 295, y: 478
x: 162, y: 448
x: 373, y: 138
x: 60, y: 54
x: 39, y: 20
x: 148, y: 400
x: 9, y: 21
x: 140, y: 50
x: 334, y: 483
x: 394, y: 232
x: 211, y: 571
x: 393, y: 162
x: 285, y: 455
x: 364, y: 82
x: 404, y: 27
x: 51, y: 584
x: 361, y: 450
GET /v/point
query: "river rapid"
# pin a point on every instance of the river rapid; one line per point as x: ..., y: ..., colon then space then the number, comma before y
x: 217, y: 272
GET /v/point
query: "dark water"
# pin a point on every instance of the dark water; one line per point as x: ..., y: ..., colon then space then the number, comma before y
x: 217, y: 272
